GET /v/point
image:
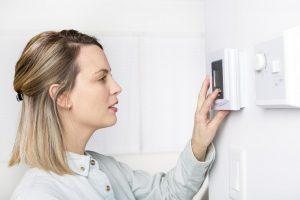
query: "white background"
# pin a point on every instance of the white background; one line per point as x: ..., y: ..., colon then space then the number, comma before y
x: 156, y: 52
x: 159, y: 75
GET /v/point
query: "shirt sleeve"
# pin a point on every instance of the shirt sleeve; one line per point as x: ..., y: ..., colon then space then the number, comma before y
x: 180, y: 183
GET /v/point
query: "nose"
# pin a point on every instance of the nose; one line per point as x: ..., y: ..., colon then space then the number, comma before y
x: 116, y: 89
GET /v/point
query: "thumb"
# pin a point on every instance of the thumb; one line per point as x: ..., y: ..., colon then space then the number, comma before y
x: 218, y: 119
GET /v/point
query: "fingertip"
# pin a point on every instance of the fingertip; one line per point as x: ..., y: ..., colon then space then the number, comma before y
x: 207, y: 78
x: 206, y: 81
x: 212, y: 96
x: 217, y: 91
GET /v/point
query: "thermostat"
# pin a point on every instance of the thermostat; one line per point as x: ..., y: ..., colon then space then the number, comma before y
x: 226, y: 68
x: 277, y: 71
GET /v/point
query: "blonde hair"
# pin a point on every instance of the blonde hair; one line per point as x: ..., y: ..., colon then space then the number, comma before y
x: 48, y: 58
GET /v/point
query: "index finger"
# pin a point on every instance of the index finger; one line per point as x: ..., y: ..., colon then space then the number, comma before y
x: 203, y: 92
x: 209, y: 101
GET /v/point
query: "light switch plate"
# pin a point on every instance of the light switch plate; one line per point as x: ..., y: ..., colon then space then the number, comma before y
x: 277, y: 84
x: 237, y: 174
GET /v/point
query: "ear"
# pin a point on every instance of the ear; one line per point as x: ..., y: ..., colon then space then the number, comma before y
x: 62, y: 100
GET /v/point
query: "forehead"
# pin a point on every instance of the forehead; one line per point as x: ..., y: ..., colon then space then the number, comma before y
x: 91, y: 58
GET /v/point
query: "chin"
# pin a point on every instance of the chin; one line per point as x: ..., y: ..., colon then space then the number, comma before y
x: 109, y: 122
x: 113, y: 122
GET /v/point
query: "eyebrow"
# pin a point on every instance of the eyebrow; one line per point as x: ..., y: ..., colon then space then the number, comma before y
x: 103, y: 70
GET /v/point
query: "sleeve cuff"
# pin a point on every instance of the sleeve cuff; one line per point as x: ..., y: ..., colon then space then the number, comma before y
x: 191, y: 161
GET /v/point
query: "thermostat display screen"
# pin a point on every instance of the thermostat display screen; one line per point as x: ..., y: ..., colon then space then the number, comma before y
x: 217, y: 77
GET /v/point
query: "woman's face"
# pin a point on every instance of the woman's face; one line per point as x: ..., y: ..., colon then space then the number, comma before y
x: 94, y: 91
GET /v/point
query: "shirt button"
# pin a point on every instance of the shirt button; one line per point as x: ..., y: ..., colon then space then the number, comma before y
x: 92, y: 162
x: 107, y: 188
x: 82, y: 168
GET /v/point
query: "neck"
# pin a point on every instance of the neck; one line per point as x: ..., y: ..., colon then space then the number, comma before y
x: 76, y: 135
x: 75, y: 140
x: 77, y: 146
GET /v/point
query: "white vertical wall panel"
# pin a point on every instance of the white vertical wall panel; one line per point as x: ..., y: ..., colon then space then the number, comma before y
x: 269, y: 137
x: 104, y: 15
x: 123, y: 137
x: 160, y: 77
x: 171, y: 73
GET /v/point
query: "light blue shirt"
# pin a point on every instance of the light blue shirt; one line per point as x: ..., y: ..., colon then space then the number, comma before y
x: 101, y: 177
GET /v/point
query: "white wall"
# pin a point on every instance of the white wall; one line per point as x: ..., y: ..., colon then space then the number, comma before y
x: 269, y: 137
x: 19, y: 20
x: 152, y: 70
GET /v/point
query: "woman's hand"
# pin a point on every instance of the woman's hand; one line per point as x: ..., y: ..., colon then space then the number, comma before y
x: 205, y: 128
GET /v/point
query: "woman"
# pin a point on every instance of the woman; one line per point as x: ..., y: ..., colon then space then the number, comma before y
x: 68, y: 92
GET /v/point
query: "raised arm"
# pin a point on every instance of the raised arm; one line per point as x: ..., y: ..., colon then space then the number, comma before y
x: 180, y: 183
x: 185, y: 179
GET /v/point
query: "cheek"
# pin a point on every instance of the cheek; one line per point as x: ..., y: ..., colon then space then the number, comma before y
x: 91, y: 102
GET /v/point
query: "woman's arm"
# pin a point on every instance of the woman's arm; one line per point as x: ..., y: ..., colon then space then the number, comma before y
x: 180, y: 183
x: 186, y: 178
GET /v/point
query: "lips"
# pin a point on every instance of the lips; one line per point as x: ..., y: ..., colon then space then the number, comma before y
x: 113, y: 104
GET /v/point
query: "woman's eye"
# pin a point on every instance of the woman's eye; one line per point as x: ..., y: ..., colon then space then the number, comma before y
x: 103, y: 78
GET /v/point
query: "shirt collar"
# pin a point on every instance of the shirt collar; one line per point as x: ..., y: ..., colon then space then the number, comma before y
x: 80, y: 164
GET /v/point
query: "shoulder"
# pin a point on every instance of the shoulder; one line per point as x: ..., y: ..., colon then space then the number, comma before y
x: 35, y: 184
x: 105, y: 159
x: 112, y: 167
x: 109, y: 163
